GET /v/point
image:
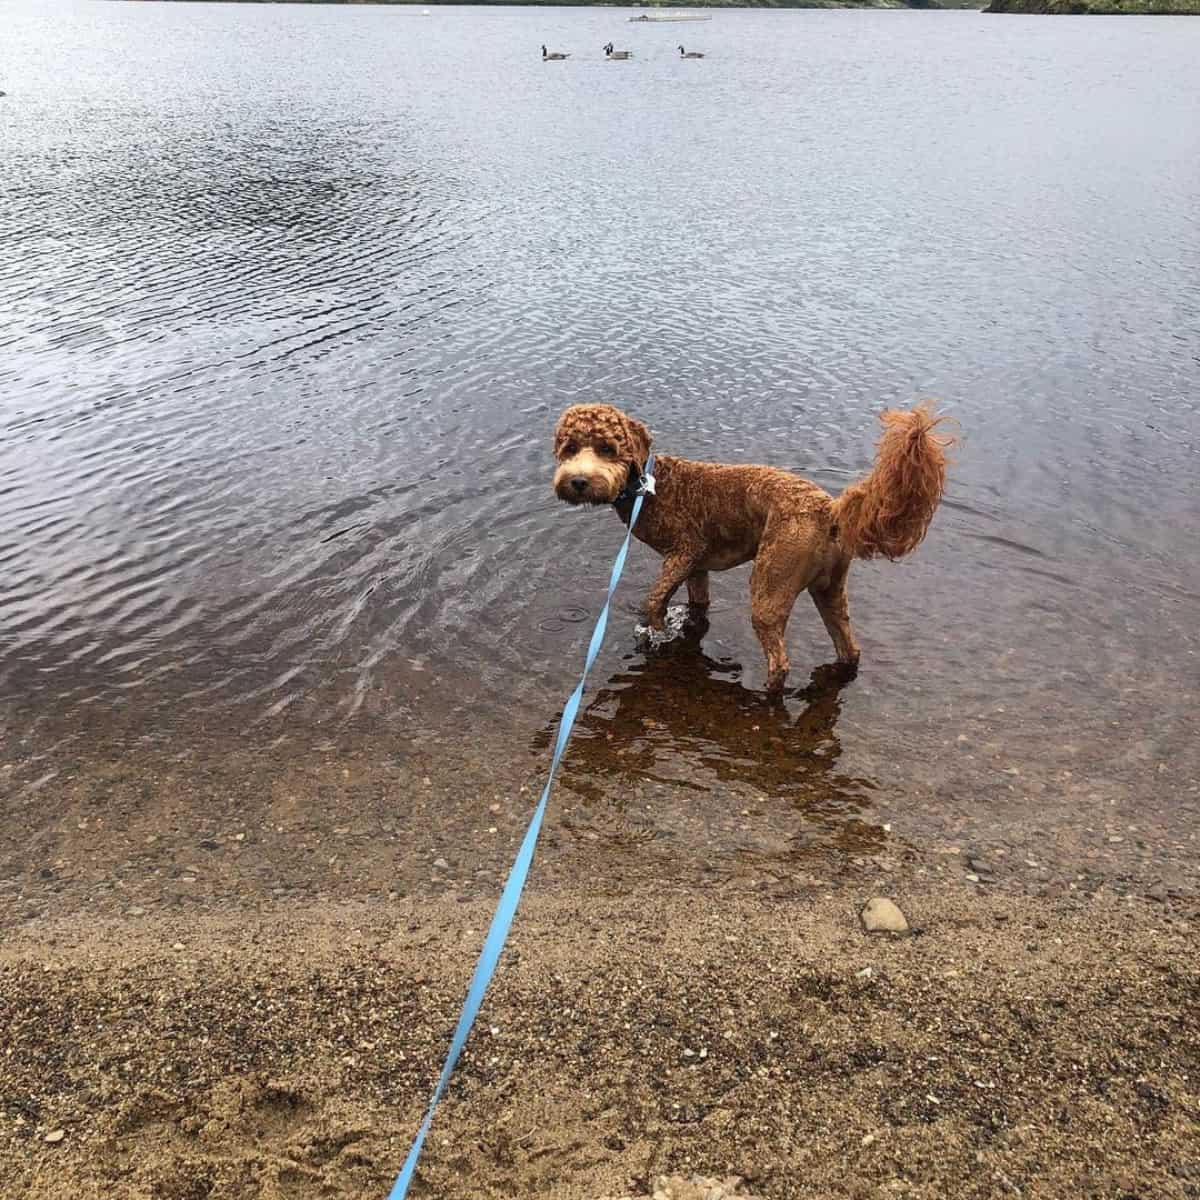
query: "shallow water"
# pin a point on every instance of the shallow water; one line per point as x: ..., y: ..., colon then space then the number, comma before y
x: 293, y: 295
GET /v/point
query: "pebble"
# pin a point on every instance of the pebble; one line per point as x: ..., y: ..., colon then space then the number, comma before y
x: 56, y: 1135
x: 441, y: 864
x: 881, y: 915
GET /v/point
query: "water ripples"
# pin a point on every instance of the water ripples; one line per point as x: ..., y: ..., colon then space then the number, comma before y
x: 282, y: 355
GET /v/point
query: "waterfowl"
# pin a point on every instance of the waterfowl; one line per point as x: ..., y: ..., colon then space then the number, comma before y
x: 552, y: 55
x: 609, y: 52
x: 689, y: 53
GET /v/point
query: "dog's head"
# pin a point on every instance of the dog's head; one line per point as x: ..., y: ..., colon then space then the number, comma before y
x: 597, y: 446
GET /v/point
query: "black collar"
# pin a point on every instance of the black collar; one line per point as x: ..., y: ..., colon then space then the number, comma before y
x: 635, y: 485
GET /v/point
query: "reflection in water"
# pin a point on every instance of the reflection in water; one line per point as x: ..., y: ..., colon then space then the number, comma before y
x: 683, y: 719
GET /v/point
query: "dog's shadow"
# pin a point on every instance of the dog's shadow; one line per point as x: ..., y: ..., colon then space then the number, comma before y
x: 679, y: 718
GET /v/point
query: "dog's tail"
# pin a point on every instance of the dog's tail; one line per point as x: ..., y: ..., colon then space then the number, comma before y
x: 886, y: 514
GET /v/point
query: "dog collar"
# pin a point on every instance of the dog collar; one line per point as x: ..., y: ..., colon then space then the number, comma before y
x: 639, y: 483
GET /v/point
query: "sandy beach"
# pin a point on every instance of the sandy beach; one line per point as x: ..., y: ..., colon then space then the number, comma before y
x: 235, y: 975
x: 1009, y: 1046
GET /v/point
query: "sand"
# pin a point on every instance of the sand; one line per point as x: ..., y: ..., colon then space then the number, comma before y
x: 1011, y: 1046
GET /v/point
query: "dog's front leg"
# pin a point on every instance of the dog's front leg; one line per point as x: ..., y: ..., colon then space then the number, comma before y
x: 675, y: 569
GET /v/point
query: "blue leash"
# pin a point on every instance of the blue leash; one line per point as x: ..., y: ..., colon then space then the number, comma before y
x: 511, y: 896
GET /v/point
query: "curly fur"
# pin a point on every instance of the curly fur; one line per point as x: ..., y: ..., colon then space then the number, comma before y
x: 713, y: 516
x: 596, y: 446
x: 887, y: 514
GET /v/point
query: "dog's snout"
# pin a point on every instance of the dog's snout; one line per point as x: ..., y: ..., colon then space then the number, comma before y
x: 579, y: 484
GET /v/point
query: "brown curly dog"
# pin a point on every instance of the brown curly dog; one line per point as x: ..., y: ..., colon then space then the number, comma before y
x: 710, y: 517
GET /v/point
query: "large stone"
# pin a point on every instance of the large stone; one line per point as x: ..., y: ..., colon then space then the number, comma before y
x: 881, y: 915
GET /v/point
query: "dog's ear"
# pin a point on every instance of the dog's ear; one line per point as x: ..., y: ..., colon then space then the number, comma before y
x: 563, y: 430
x: 638, y: 439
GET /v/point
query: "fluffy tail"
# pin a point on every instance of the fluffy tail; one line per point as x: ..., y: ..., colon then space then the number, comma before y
x: 886, y: 514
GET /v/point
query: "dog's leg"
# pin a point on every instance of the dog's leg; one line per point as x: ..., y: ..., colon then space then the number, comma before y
x: 832, y: 604
x: 697, y: 614
x: 675, y: 570
x: 697, y: 585
x: 778, y: 577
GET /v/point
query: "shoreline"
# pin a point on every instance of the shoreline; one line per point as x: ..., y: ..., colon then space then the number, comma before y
x: 1141, y: 8
x: 707, y: 5
x: 1095, y: 8
x: 1014, y: 1044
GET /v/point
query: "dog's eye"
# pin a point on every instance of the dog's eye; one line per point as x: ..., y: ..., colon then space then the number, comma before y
x: 608, y: 450
x: 570, y: 449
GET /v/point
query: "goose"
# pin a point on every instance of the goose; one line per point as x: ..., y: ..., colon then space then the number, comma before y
x: 609, y: 52
x: 553, y: 55
x: 689, y: 53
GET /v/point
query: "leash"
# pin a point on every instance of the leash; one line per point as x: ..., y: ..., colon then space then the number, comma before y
x: 511, y: 896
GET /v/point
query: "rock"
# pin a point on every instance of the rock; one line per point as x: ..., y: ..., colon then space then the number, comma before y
x: 440, y: 864
x: 881, y: 915
x: 56, y: 1136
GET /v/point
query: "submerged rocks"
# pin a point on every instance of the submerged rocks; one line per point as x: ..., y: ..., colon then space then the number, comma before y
x: 881, y: 915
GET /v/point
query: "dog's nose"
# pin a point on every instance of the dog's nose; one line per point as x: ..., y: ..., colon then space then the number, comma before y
x: 579, y: 484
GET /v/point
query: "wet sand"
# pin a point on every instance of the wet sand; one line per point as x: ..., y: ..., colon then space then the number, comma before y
x: 231, y: 970
x: 252, y: 1042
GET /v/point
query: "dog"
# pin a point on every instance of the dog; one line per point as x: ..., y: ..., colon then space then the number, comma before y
x: 706, y: 517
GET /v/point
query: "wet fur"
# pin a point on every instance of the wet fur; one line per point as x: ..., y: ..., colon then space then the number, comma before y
x: 712, y: 516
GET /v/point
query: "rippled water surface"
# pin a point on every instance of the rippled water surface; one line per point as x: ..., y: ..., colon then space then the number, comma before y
x: 293, y: 294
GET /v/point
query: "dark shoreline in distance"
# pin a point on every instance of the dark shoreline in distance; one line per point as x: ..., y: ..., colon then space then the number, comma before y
x: 1097, y: 8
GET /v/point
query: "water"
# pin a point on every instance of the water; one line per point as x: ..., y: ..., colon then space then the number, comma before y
x: 293, y: 294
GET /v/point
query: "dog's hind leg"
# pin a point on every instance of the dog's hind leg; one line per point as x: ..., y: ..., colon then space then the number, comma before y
x: 834, y: 608
x: 780, y: 574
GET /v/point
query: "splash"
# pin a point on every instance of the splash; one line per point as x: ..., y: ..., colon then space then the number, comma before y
x: 673, y: 627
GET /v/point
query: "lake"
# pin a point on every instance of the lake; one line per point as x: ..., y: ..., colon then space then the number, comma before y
x: 293, y: 295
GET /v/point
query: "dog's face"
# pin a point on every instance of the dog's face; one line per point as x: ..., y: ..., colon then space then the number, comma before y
x: 596, y: 445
